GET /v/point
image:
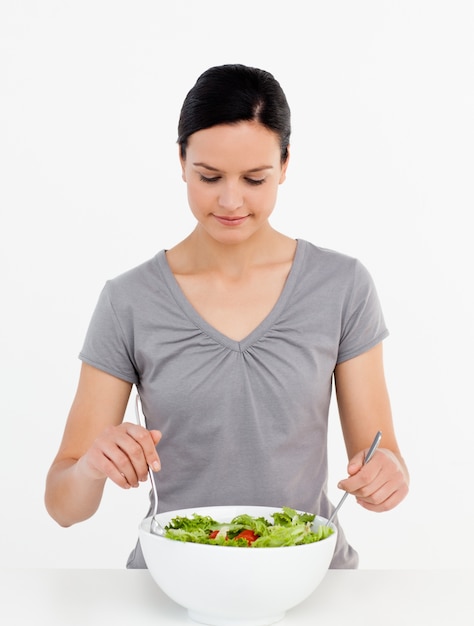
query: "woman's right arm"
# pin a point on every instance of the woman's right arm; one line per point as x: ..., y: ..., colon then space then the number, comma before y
x: 97, y: 445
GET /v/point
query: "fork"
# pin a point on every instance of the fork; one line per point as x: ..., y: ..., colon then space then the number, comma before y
x: 367, y: 458
x: 155, y: 527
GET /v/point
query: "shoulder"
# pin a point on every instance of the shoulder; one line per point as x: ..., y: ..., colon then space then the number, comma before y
x: 133, y: 283
x: 321, y: 259
x: 331, y: 274
x: 140, y: 272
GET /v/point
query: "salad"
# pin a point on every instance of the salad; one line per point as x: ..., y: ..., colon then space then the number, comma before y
x: 288, y: 528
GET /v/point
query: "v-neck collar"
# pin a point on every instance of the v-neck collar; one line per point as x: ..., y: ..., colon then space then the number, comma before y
x: 257, y: 333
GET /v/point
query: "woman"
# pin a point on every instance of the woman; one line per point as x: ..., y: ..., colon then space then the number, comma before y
x: 233, y: 339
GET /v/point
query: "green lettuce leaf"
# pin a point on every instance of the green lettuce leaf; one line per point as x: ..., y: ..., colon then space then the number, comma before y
x: 289, y: 528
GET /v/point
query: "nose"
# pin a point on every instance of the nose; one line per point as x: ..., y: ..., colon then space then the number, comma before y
x: 230, y: 197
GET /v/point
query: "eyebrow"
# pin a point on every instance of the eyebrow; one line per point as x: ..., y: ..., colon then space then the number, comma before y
x: 214, y: 169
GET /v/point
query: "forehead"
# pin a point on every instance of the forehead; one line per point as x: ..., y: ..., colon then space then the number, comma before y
x: 246, y: 144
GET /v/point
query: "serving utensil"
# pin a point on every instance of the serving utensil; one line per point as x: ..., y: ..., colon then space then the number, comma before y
x: 155, y: 527
x: 367, y: 458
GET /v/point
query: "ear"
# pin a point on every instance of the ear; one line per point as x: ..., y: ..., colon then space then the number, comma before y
x: 284, y: 167
x: 183, y: 165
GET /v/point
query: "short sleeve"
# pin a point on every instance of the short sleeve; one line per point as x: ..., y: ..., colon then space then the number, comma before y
x: 107, y: 346
x: 363, y: 324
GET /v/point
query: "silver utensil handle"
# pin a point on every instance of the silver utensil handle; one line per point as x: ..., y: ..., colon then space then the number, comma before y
x: 373, y: 447
x: 368, y: 456
x: 140, y: 418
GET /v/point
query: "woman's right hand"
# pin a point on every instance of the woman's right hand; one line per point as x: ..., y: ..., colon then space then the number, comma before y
x: 97, y: 444
x: 122, y: 453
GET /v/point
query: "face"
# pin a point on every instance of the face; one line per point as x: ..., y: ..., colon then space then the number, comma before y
x: 232, y: 173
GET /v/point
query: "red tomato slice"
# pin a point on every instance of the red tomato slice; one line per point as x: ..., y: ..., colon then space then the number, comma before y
x: 249, y: 535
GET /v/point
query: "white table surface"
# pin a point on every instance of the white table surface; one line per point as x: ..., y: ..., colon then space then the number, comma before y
x: 62, y: 597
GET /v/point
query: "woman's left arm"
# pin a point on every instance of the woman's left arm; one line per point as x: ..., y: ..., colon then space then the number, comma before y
x: 364, y: 409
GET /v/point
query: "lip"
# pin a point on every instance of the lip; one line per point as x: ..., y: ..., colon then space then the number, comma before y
x: 231, y: 221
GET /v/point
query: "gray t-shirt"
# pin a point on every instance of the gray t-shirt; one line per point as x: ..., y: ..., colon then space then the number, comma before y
x: 243, y: 422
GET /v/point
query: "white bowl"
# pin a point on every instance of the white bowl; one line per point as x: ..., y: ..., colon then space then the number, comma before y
x: 230, y: 586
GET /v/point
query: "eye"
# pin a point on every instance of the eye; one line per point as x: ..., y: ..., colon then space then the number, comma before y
x: 205, y: 179
x: 255, y: 181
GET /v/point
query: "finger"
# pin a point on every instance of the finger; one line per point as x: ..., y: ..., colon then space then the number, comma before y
x: 388, y: 495
x: 381, y: 490
x: 377, y: 475
x: 100, y: 462
x: 146, y: 440
x: 118, y: 456
x: 362, y: 473
x: 383, y: 503
x: 374, y: 493
x: 155, y: 463
x: 371, y: 485
x: 120, y: 446
x: 120, y: 479
x: 365, y: 476
x: 135, y: 457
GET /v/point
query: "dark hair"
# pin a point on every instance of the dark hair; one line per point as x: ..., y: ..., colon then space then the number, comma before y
x: 228, y: 94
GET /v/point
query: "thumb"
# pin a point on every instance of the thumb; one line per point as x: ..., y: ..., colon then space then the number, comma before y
x: 156, y: 436
x: 355, y: 463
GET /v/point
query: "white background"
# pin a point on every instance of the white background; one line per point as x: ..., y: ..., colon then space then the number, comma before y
x: 382, y: 98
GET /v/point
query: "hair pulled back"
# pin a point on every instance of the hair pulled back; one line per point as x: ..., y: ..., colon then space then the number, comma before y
x: 228, y: 94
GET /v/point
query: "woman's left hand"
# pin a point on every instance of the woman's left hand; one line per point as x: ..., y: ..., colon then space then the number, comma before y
x: 379, y: 485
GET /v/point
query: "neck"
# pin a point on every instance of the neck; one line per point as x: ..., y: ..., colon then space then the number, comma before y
x: 200, y: 253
